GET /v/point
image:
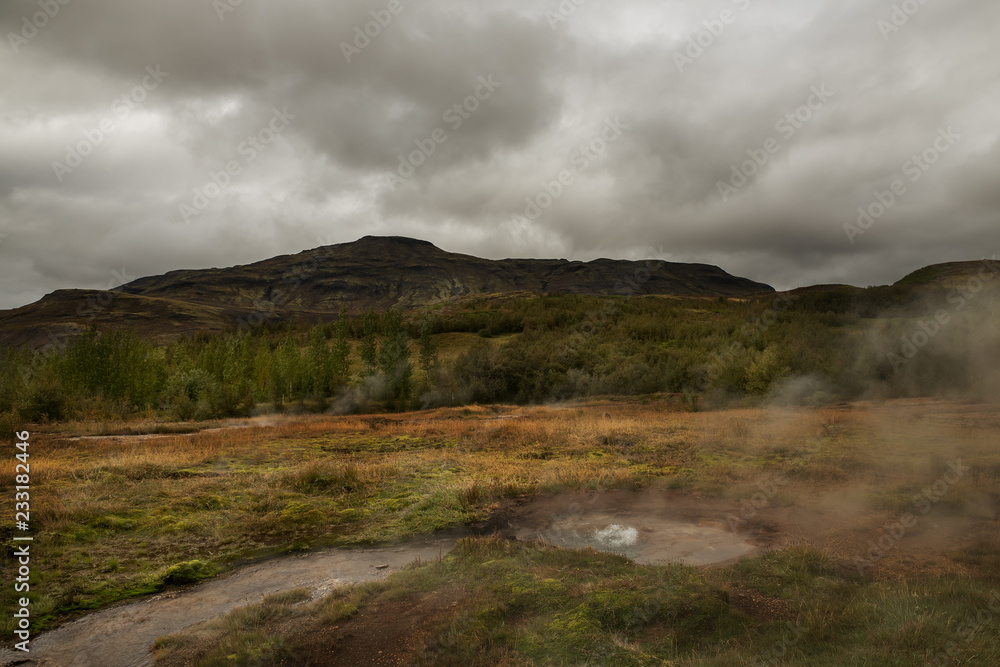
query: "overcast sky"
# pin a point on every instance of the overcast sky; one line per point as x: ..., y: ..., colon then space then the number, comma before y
x: 114, y: 115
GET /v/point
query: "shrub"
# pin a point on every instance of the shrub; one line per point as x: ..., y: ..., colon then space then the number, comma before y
x: 187, y: 572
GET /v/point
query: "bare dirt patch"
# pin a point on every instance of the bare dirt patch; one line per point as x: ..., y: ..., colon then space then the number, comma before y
x: 387, y: 632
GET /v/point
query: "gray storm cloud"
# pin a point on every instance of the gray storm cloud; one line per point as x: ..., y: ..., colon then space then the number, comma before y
x: 116, y: 115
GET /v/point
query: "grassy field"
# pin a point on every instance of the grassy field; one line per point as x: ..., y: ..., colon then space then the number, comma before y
x: 854, y: 569
x: 496, y: 602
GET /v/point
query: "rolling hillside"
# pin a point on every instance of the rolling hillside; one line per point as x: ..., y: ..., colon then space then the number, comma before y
x: 376, y: 273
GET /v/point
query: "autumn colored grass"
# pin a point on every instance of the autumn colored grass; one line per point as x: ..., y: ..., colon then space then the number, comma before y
x: 114, y: 513
x: 520, y: 604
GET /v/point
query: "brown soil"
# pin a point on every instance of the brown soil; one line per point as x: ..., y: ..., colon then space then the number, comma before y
x: 384, y: 633
x: 759, y: 607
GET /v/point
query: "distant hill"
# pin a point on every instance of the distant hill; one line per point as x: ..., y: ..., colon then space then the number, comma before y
x: 67, y: 313
x: 387, y: 272
x: 376, y: 273
x: 953, y: 274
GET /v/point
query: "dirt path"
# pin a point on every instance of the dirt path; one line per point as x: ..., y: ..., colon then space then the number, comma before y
x: 121, y: 636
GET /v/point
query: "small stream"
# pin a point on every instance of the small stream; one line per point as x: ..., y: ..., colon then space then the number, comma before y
x: 120, y: 636
x: 641, y: 526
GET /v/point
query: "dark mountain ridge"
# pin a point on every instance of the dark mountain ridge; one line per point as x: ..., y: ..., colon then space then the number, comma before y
x: 376, y: 273
x: 390, y: 272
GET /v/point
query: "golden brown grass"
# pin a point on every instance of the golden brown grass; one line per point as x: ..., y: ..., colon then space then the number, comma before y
x: 114, y: 512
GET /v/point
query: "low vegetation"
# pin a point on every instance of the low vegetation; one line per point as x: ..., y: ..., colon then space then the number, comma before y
x: 528, y: 604
x: 120, y: 516
x: 805, y: 416
x: 815, y: 346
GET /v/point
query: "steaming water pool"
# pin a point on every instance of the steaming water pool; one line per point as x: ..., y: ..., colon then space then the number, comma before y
x: 646, y: 535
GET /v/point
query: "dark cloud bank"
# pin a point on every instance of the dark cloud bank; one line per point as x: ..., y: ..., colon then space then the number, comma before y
x: 139, y: 136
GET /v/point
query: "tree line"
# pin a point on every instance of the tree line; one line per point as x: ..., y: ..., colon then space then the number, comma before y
x: 114, y: 374
x: 847, y: 344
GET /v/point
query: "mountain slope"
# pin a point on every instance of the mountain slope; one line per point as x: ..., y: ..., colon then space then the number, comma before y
x: 953, y: 274
x: 387, y: 272
x: 58, y: 316
x: 373, y: 273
